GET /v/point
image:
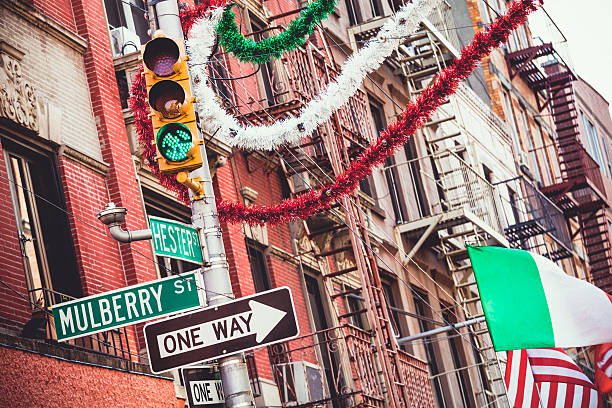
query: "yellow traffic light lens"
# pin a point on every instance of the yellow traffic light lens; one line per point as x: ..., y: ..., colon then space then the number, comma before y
x: 174, y: 141
x: 160, y: 55
x: 167, y: 97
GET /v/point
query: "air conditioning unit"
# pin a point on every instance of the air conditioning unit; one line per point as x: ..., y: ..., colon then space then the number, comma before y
x: 300, y: 382
x: 124, y: 41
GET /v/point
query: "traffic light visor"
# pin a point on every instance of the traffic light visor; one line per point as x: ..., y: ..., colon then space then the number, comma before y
x: 160, y: 55
x: 174, y: 141
x: 167, y: 97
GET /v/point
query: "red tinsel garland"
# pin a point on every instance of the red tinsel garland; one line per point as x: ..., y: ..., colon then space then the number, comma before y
x: 415, y: 114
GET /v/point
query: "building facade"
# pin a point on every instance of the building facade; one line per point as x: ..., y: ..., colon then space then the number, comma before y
x: 385, y: 263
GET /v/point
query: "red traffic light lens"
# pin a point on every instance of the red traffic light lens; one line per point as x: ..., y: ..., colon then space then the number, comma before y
x: 160, y: 55
x: 167, y: 97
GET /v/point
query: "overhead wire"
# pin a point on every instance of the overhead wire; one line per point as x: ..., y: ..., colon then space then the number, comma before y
x: 416, y: 293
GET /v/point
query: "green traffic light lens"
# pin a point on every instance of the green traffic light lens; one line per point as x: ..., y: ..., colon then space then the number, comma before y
x: 174, y: 141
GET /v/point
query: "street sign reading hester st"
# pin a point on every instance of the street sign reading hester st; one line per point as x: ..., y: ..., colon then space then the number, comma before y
x: 249, y: 322
x: 175, y: 240
x: 125, y: 306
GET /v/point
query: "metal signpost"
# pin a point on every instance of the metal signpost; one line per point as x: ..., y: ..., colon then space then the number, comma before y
x: 203, y: 387
x: 201, y: 335
x: 125, y: 306
x: 175, y: 240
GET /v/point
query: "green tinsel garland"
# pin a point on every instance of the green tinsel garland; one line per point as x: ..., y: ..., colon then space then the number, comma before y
x: 247, y: 50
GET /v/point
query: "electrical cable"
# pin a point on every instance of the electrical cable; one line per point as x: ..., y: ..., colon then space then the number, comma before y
x: 416, y: 293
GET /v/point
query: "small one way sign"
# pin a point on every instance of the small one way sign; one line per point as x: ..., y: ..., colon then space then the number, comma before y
x: 249, y: 322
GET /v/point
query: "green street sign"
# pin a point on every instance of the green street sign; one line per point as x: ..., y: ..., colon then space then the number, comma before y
x: 175, y: 240
x: 125, y: 306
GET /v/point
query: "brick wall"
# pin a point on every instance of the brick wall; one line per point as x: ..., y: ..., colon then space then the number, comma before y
x: 56, y: 72
x: 33, y: 380
x: 59, y: 10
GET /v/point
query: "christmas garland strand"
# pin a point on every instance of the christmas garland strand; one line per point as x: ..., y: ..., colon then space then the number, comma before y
x: 396, y: 135
x: 294, y: 36
x: 214, y: 118
x: 415, y: 114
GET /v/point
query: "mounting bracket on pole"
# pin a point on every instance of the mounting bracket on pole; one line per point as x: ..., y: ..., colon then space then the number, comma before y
x: 195, y: 184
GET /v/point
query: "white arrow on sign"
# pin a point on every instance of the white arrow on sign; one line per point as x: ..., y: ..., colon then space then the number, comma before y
x: 260, y: 320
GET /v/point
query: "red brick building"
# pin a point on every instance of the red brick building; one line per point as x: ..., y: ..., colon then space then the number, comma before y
x: 362, y: 274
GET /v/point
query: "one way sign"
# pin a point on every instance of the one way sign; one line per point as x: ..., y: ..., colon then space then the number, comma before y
x: 243, y: 324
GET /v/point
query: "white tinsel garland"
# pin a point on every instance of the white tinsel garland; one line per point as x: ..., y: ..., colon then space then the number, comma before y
x: 214, y: 119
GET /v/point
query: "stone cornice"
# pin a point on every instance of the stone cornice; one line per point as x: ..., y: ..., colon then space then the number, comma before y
x: 45, y: 23
x: 83, y: 159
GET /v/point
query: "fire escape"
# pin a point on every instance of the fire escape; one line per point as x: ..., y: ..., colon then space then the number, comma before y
x: 358, y: 366
x: 580, y: 192
x: 456, y: 204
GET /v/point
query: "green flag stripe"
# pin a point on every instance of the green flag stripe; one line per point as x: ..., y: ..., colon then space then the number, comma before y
x: 513, y: 298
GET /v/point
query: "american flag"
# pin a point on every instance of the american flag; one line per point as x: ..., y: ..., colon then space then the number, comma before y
x: 603, y: 369
x: 542, y: 378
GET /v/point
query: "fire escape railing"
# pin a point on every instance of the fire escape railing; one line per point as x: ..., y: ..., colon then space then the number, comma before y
x: 113, y: 342
x: 338, y: 367
x: 448, y: 183
x: 532, y: 214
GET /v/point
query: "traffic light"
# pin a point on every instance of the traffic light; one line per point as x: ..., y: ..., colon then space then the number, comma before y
x: 172, y: 112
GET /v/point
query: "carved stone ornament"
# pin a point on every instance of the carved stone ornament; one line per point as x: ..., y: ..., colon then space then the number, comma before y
x: 18, y: 101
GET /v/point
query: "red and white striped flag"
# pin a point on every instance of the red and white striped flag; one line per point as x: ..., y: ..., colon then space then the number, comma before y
x: 603, y: 367
x: 543, y: 378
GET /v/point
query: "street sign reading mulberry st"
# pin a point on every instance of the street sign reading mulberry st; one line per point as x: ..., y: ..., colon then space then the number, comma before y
x: 201, y: 335
x: 175, y: 240
x: 125, y: 306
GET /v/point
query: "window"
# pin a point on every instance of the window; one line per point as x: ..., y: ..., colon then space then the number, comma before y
x: 159, y: 206
x: 391, y: 174
x: 128, y: 25
x: 510, y: 118
x: 395, y: 319
x: 607, y: 154
x: 532, y: 152
x: 418, y: 191
x: 42, y: 224
x: 593, y: 142
x: 259, y: 267
x: 459, y: 363
x: 356, y: 305
x: 421, y: 306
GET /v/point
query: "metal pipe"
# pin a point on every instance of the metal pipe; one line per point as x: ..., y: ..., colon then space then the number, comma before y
x: 439, y: 330
x: 113, y: 217
x: 122, y: 235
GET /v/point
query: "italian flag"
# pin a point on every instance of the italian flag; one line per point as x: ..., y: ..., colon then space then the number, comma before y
x: 529, y: 302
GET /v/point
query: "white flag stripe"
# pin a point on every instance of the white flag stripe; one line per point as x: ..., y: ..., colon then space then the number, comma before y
x: 561, y: 371
x: 561, y: 388
x: 544, y: 390
x: 548, y: 353
x: 607, y: 356
x: 529, y: 386
x: 578, y: 396
x: 513, y: 384
x: 594, y: 399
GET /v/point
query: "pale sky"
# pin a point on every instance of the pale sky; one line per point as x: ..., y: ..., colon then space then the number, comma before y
x: 587, y: 24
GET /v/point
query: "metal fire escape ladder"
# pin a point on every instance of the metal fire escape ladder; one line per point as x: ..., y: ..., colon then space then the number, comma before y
x: 466, y: 290
x: 445, y: 143
x: 442, y: 132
